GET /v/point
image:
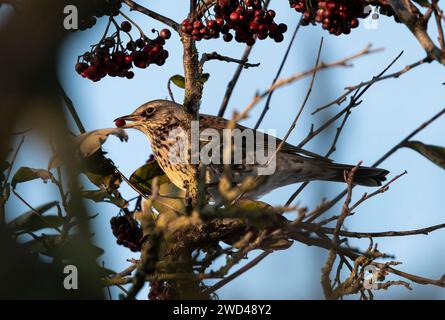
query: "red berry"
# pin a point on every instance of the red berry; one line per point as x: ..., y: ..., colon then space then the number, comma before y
x: 165, y: 34
x: 120, y: 122
x: 234, y: 16
x: 81, y: 67
x: 197, y: 24
x: 279, y: 37
x: 126, y: 26
x: 128, y: 75
x: 128, y: 59
x: 282, y: 27
x: 228, y: 37
x: 354, y: 23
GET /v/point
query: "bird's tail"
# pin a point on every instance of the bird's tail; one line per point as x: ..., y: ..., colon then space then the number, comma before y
x: 364, y: 176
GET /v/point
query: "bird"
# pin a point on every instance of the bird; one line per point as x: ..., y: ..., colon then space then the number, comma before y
x: 163, y: 121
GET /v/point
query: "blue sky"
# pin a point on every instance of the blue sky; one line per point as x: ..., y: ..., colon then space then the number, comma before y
x: 390, y: 110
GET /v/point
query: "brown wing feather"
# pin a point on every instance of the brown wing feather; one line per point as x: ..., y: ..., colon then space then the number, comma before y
x: 209, y: 121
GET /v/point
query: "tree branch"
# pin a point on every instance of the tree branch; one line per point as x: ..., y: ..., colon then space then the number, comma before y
x: 137, y: 7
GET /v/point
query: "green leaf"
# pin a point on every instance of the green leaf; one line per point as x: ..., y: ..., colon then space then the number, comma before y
x: 32, y: 221
x: 44, y: 245
x: 165, y: 205
x: 178, y: 80
x: 36, y: 222
x: 89, y: 143
x: 205, y: 77
x: 142, y: 178
x: 101, y: 171
x: 433, y: 153
x: 52, y: 246
x: 27, y: 174
x: 259, y: 214
x: 104, y: 196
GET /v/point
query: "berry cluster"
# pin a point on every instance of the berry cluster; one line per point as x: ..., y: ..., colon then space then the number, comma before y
x: 127, y: 232
x: 100, y: 8
x: 247, y: 18
x: 110, y: 57
x: 336, y: 16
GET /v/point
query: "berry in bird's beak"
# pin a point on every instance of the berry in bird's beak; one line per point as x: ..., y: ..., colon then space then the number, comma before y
x: 119, y: 123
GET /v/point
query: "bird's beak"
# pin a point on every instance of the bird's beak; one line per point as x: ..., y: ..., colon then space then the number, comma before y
x: 130, y: 120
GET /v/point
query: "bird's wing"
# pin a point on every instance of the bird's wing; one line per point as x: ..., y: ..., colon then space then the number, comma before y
x: 209, y: 121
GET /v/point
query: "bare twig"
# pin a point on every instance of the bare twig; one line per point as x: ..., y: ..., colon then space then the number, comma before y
x: 232, y: 83
x: 277, y: 76
x: 137, y: 7
x: 70, y: 106
x: 238, y: 272
x: 351, y: 234
x: 329, y: 204
x: 216, y: 56
x: 353, y: 88
x: 327, y: 268
x: 382, y: 189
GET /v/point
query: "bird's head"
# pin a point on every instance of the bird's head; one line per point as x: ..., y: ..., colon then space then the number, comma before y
x: 153, y: 116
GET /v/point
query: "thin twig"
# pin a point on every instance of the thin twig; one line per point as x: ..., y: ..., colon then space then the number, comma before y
x: 382, y: 189
x: 351, y: 234
x: 329, y: 204
x: 137, y: 7
x: 277, y: 76
x: 69, y: 104
x: 232, y: 83
x: 351, y: 89
x: 216, y: 56
x: 239, y: 272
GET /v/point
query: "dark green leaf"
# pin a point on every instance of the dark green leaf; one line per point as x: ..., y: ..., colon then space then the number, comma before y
x: 36, y: 222
x: 433, y: 153
x: 259, y: 214
x: 32, y: 221
x: 205, y: 77
x: 101, y: 171
x: 51, y: 245
x: 166, y: 205
x: 27, y: 174
x: 104, y: 196
x: 142, y: 178
x: 178, y: 80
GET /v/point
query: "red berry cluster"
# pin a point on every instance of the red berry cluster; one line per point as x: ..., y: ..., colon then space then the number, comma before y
x: 127, y: 232
x: 336, y: 16
x: 247, y: 18
x: 100, y: 8
x: 111, y: 58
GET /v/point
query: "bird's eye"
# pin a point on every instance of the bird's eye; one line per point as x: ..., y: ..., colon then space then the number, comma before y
x: 149, y: 111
